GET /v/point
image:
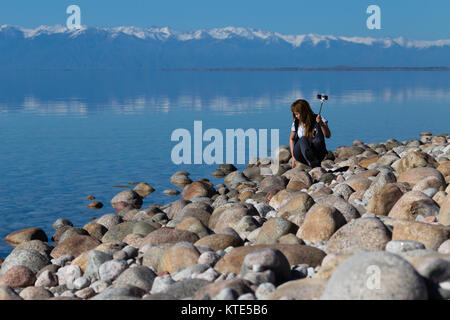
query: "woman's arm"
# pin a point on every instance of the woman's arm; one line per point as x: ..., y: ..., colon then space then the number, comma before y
x: 324, y: 126
x: 291, y: 144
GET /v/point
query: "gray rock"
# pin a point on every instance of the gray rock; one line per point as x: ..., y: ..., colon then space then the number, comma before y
x: 186, y: 288
x: 375, y: 276
x: 121, y: 230
x: 365, y: 233
x: 138, y: 276
x: 381, y: 180
x: 63, y: 260
x: 111, y: 269
x: 126, y: 199
x: 268, y: 259
x: 81, y: 283
x: 161, y: 284
x: 95, y: 260
x: 67, y: 275
x: 263, y: 208
x: 227, y: 294
x: 264, y: 290
x: 61, y: 222
x: 46, y: 279
x: 258, y: 277
x: 397, y: 246
x: 188, y: 272
x: 109, y: 220
x: 247, y: 296
x: 209, y: 258
x: 43, y: 247
x: 29, y: 258
x: 100, y: 286
x: 348, y: 211
x: 119, y: 293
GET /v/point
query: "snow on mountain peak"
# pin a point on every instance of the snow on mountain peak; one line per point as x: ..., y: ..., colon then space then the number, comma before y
x: 226, y: 33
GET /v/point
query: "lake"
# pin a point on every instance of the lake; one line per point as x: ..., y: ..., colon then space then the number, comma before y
x: 69, y: 134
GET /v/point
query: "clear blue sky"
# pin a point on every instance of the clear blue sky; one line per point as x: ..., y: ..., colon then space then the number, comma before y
x: 423, y: 20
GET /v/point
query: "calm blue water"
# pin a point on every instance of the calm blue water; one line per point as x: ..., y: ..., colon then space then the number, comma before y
x: 66, y: 134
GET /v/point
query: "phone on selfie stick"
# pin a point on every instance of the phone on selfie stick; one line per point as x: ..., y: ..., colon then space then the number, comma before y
x: 322, y: 97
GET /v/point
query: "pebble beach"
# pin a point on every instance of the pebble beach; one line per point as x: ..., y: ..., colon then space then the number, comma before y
x: 372, y: 223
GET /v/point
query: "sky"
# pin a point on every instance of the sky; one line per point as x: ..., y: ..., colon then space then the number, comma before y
x: 413, y: 19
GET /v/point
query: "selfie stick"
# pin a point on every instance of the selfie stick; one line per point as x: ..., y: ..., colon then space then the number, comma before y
x: 322, y: 98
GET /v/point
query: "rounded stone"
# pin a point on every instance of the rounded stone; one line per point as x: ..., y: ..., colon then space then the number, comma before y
x: 320, y: 224
x: 29, y: 258
x: 273, y: 229
x: 74, y: 246
x: 18, y: 277
x: 412, y: 204
x: 268, y: 259
x: 121, y: 230
x: 365, y: 233
x: 197, y: 189
x: 219, y: 241
x: 375, y: 276
x: 384, y: 199
x: 168, y: 235
x: 109, y: 220
x: 17, y: 237
x: 138, y: 276
x: 126, y: 199
x: 35, y: 293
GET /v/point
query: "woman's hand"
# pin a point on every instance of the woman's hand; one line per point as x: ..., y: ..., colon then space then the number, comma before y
x: 293, y: 162
x: 319, y: 119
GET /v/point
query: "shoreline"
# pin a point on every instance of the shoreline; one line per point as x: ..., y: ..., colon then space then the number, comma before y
x: 294, y: 235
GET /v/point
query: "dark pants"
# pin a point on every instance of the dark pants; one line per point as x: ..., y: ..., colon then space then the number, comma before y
x: 311, y: 152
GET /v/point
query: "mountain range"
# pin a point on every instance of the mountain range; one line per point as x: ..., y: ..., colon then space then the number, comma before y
x: 56, y: 47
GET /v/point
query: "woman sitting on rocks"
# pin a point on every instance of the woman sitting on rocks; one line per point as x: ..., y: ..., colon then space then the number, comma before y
x: 308, y: 130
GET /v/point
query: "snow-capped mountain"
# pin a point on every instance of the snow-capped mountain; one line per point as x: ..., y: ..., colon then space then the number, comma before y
x: 230, y: 47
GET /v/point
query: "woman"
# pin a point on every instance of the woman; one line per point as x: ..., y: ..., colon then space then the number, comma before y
x: 308, y: 130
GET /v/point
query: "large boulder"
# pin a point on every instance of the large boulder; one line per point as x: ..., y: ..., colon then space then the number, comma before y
x: 228, y: 215
x: 384, y: 199
x: 268, y: 259
x: 168, y: 235
x: 429, y: 234
x: 299, y: 204
x: 321, y: 223
x: 416, y: 159
x: 413, y: 176
x: 346, y: 209
x: 375, y: 276
x: 296, y: 254
x: 197, y: 189
x: 413, y: 203
x: 32, y: 259
x: 219, y: 241
x: 74, y: 246
x: 303, y: 289
x: 273, y: 229
x: 180, y: 255
x: 121, y: 230
x: 24, y: 235
x: 364, y: 233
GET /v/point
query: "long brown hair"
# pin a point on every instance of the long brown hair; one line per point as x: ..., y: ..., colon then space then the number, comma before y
x: 306, y: 117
